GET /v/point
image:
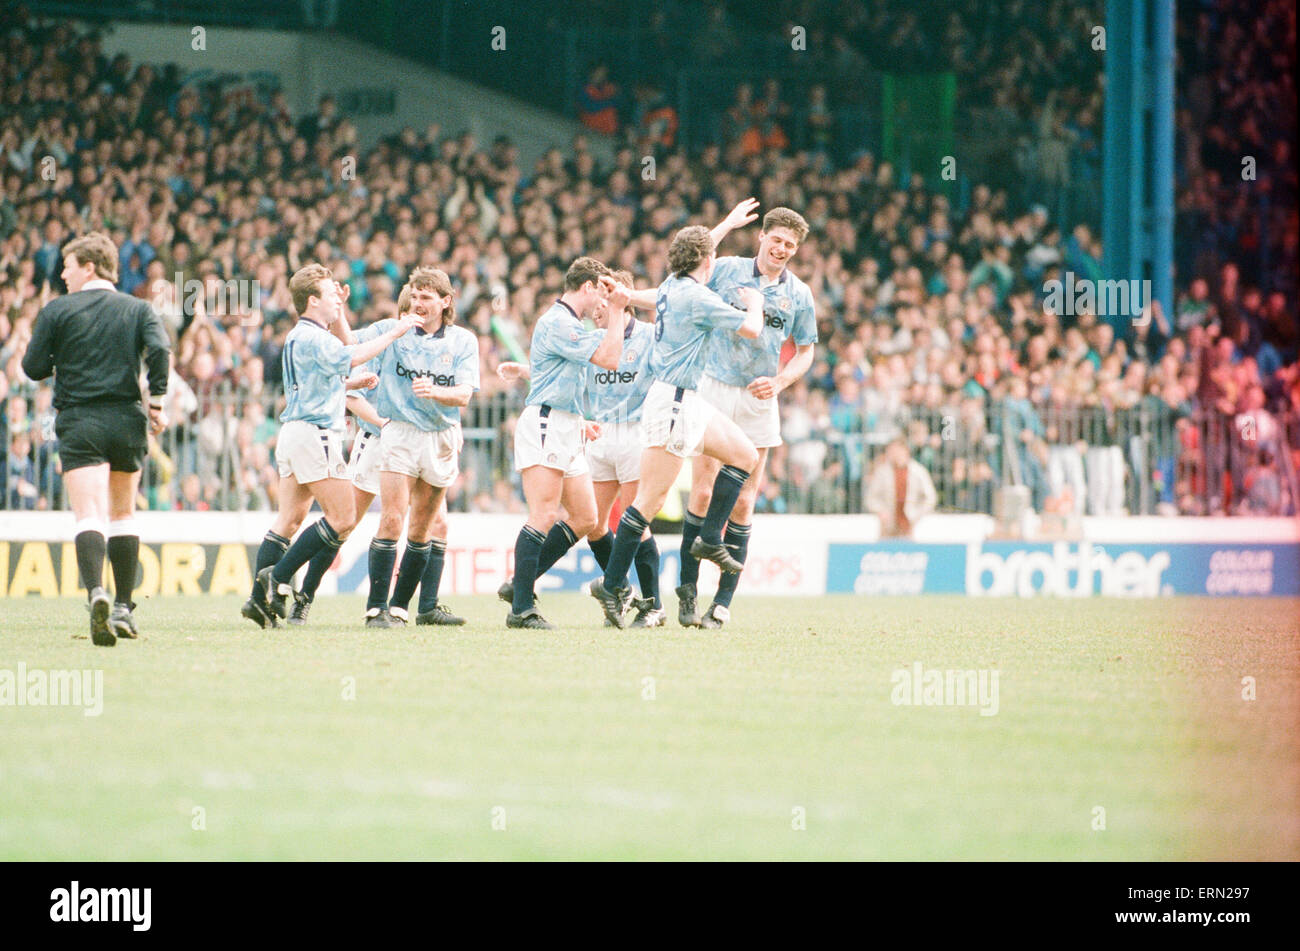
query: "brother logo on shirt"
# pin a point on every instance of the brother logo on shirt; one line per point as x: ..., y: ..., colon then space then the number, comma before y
x: 773, y: 320
x: 438, y: 379
x: 616, y: 376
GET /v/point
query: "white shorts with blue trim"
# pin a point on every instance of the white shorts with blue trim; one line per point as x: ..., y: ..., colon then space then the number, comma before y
x: 675, y: 419
x: 760, y: 420
x: 552, y: 438
x: 309, y: 453
x: 363, y: 465
x: 616, y: 455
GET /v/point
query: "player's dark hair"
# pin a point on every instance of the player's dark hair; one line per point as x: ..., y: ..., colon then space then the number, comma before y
x: 786, y: 218
x: 581, y: 271
x: 95, y: 248
x: 690, y: 247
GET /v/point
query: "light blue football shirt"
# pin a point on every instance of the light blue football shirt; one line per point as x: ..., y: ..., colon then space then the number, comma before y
x: 558, y: 359
x: 685, y: 313
x: 315, y: 365
x: 448, y: 357
x: 788, y: 311
x: 615, y: 396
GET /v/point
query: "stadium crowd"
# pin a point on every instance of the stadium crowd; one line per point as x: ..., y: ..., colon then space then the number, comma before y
x: 931, y: 315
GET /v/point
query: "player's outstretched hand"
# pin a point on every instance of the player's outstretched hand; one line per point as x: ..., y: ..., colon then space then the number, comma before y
x: 511, y: 371
x: 405, y: 323
x: 742, y: 214
x: 422, y: 387
x: 617, y: 295
x: 363, y: 381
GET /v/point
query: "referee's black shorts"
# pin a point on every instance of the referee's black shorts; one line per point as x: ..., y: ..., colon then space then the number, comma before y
x: 92, y: 434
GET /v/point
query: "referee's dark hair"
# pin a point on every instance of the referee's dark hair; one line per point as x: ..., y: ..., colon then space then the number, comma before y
x: 98, y: 249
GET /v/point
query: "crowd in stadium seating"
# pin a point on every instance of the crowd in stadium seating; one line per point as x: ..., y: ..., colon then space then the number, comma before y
x: 930, y: 316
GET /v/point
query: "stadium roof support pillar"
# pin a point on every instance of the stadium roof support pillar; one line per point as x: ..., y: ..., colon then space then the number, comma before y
x: 1138, y: 155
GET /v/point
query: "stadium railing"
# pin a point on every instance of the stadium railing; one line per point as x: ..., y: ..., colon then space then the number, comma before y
x: 1147, y: 459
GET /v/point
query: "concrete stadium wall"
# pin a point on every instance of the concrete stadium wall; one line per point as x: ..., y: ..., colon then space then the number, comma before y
x: 789, y: 555
x: 308, y: 65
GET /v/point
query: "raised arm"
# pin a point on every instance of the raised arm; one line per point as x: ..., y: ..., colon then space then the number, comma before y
x: 741, y: 215
x: 610, y: 350
x: 365, y: 352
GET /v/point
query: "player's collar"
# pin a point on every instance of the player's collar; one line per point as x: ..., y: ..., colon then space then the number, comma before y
x: 436, y: 335
x: 785, y: 272
x: 98, y: 284
x: 314, y: 323
x: 565, y: 304
x: 629, y: 327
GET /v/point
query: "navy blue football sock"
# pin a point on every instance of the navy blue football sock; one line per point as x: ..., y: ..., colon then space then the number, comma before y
x: 647, y: 569
x: 630, y: 529
x: 409, y: 574
x: 737, y: 542
x: 317, y: 537
x: 558, y: 541
x: 269, y: 552
x: 432, y: 580
x: 726, y: 489
x: 602, y: 548
x: 316, y: 568
x: 688, y: 571
x: 528, y: 547
x: 383, y: 555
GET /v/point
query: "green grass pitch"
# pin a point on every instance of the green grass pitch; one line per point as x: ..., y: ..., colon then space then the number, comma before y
x: 1121, y: 733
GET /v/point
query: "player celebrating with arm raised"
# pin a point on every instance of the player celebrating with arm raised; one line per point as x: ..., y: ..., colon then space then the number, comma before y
x: 676, y: 421
x: 742, y: 378
x: 308, y: 453
x: 550, y: 432
x: 424, y: 381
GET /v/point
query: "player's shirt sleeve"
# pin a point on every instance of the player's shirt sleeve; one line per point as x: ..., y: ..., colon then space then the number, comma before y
x: 570, y: 341
x: 332, y: 357
x: 805, y: 320
x: 378, y: 328
x: 466, y: 369
x: 711, y: 312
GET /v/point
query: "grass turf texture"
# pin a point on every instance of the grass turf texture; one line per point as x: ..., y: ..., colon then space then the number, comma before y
x: 1135, y: 707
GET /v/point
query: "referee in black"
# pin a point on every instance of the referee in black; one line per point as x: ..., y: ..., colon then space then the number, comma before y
x: 93, y: 340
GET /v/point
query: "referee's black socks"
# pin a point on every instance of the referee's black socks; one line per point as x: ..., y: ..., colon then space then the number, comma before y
x: 726, y: 489
x: 124, y: 556
x: 89, y: 540
x: 269, y: 552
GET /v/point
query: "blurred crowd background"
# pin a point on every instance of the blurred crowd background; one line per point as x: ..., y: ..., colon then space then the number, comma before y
x: 933, y: 327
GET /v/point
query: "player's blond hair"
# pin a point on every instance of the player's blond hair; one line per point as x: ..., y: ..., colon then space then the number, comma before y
x: 306, y: 283
x: 690, y: 248
x: 95, y: 248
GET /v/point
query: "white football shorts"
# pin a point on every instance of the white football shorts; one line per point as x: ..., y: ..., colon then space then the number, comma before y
x: 363, y: 466
x: 309, y: 453
x: 760, y: 420
x: 552, y: 438
x: 433, y: 457
x: 616, y: 455
x: 675, y: 419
